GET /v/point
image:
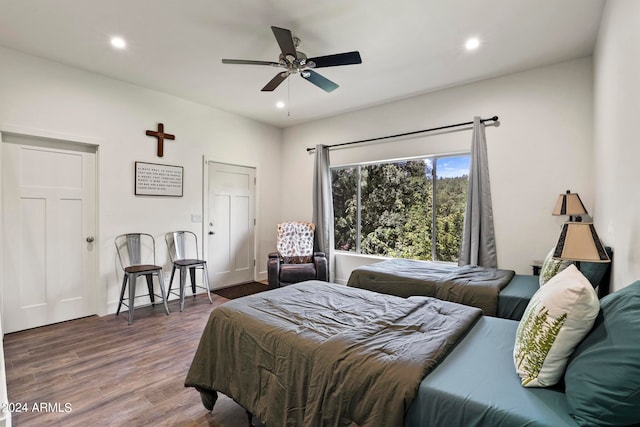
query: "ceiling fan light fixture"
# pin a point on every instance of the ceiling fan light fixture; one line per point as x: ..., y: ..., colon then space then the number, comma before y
x: 295, y: 61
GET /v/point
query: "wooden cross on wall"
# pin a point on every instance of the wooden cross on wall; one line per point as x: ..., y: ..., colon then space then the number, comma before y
x: 161, y: 137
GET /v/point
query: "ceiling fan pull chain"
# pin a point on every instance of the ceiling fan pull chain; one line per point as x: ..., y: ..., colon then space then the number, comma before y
x: 288, y: 97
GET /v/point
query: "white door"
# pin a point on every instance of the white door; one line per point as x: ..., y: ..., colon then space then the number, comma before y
x: 230, y: 224
x: 49, y: 215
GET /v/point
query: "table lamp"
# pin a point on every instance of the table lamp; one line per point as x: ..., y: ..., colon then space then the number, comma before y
x: 570, y: 204
x: 579, y: 242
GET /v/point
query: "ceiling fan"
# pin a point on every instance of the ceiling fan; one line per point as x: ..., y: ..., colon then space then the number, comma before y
x: 293, y: 61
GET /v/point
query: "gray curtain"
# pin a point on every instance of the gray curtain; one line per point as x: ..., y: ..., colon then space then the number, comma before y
x: 478, y: 246
x: 323, y: 205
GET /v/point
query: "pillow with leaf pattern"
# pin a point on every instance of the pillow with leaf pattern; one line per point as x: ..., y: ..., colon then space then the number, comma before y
x: 557, y: 318
x: 551, y: 267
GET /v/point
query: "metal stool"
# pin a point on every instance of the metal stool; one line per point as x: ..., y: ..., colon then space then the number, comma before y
x: 183, y: 250
x: 137, y: 256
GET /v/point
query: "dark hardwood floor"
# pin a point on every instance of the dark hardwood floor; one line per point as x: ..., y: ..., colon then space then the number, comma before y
x: 99, y: 371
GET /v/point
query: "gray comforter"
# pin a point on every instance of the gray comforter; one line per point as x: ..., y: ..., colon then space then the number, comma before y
x: 470, y: 285
x: 321, y: 354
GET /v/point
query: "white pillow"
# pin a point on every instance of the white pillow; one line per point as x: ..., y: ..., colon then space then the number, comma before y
x: 551, y: 267
x: 557, y: 318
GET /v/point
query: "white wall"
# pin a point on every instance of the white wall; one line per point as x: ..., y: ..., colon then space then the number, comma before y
x: 543, y: 147
x: 617, y: 149
x: 40, y: 97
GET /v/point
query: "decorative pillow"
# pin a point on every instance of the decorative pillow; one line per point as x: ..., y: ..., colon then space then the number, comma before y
x: 603, y: 375
x: 295, y: 241
x: 558, y: 316
x: 551, y: 267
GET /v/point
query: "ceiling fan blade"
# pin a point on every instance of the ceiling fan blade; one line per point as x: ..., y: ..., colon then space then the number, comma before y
x: 275, y: 82
x: 347, y: 58
x: 318, y: 80
x: 285, y: 41
x: 249, y: 62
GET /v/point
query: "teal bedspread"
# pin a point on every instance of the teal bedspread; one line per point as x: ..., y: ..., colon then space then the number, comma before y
x: 514, y: 298
x: 477, y: 385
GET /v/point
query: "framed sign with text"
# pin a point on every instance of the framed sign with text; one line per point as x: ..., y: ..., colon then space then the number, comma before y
x: 152, y: 179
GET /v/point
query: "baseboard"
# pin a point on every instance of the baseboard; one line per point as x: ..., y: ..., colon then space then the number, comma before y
x: 261, y: 276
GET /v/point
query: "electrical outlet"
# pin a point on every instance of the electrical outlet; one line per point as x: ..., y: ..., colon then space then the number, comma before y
x: 196, y: 218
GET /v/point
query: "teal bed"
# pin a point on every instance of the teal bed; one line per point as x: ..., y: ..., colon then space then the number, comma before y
x: 292, y: 356
x: 513, y: 298
x: 476, y: 385
x: 498, y: 292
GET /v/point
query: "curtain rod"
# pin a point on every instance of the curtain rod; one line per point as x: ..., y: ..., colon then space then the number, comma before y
x: 493, y: 119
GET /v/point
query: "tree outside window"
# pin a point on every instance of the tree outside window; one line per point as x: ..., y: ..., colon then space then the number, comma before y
x: 402, y: 209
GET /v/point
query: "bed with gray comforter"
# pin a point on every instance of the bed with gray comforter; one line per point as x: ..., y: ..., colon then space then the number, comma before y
x: 470, y: 284
x: 322, y: 354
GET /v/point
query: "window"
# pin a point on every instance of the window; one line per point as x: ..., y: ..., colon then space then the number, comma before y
x: 402, y: 209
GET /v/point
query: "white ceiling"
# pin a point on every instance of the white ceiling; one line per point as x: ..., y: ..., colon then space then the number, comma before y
x: 408, y: 47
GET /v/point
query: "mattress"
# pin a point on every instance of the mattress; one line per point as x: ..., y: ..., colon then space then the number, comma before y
x: 513, y: 299
x: 477, y: 385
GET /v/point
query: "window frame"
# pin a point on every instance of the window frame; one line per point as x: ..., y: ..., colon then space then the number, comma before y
x: 434, y: 178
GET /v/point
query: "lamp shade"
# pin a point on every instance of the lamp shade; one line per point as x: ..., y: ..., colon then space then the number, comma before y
x: 579, y: 242
x: 569, y: 204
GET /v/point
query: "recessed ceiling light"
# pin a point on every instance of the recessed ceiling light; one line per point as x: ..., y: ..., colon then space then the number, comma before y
x: 472, y: 43
x: 280, y: 104
x: 118, y: 42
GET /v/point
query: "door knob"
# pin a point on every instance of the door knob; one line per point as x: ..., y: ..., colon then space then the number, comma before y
x: 90, y: 239
x: 212, y: 232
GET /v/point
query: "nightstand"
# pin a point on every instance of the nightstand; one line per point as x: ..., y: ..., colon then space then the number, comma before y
x: 535, y: 267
